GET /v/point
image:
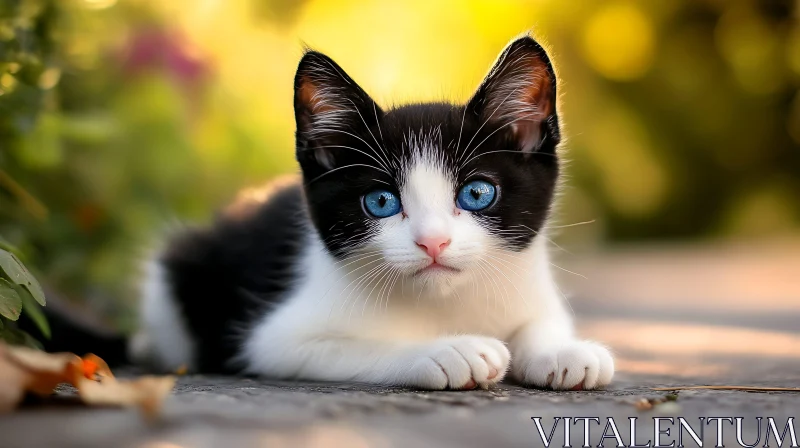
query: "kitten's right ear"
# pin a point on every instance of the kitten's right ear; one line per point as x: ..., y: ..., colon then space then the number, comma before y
x: 519, y: 96
x: 328, y: 106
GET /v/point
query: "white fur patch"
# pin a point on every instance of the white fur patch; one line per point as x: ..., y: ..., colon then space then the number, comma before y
x: 163, y: 339
x: 373, y: 317
x: 395, y: 312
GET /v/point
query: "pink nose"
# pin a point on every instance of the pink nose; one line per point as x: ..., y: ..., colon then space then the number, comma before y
x: 433, y: 245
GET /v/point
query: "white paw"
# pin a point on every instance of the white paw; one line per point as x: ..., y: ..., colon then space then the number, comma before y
x: 574, y: 365
x: 460, y: 362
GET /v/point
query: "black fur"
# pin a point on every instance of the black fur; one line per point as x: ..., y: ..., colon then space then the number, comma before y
x: 76, y: 330
x: 342, y: 165
x: 225, y: 276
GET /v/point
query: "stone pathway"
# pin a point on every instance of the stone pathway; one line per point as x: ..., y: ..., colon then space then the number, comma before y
x: 230, y: 412
x: 753, y: 339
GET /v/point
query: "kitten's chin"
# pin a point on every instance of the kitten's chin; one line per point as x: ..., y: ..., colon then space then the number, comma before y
x: 438, y: 269
x: 439, y: 279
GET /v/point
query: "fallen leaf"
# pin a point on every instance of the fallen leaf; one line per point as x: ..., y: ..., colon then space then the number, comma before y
x: 40, y: 372
x: 643, y: 404
x: 12, y: 381
x: 147, y: 393
x: 646, y: 404
x: 89, y: 369
x: 24, y: 370
x: 100, y: 367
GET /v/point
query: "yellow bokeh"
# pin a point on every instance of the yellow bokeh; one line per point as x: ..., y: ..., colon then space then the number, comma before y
x: 680, y: 118
x: 752, y: 47
x: 633, y: 179
x: 397, y: 51
x: 619, y: 41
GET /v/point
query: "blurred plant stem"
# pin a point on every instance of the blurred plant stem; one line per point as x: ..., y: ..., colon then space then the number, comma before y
x: 32, y: 205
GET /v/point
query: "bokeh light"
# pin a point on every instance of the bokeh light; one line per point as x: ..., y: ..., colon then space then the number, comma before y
x: 619, y: 41
x: 119, y: 119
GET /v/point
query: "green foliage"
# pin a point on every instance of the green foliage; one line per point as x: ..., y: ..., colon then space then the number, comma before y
x: 10, y: 301
x: 683, y: 121
x: 19, y: 291
x: 33, y: 309
x: 13, y: 269
x: 88, y: 170
x: 27, y: 67
x: 28, y: 72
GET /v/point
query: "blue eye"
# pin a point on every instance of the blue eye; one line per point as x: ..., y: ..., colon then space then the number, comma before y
x: 476, y: 195
x: 381, y: 203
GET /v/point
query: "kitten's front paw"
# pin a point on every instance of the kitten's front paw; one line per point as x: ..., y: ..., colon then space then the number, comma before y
x: 461, y: 362
x: 575, y: 365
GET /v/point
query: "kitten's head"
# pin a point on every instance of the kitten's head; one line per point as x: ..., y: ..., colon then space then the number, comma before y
x: 431, y: 190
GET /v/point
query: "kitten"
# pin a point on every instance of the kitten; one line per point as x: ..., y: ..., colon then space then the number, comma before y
x: 412, y: 253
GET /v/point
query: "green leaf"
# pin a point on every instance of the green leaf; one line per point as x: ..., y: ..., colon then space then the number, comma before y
x: 34, y: 311
x: 1, y: 327
x: 10, y: 301
x: 36, y: 292
x: 9, y: 334
x: 30, y: 341
x: 17, y: 273
x: 5, y: 245
x: 15, y: 336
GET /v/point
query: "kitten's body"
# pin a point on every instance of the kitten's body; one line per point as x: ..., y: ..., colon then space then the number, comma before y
x: 310, y: 285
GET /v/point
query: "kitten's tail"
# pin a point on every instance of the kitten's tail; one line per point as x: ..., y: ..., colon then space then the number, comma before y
x: 77, y: 331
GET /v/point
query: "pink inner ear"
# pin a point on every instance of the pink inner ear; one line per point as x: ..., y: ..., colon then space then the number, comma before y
x: 536, y: 105
x: 521, y: 93
x: 321, y: 111
x: 310, y: 95
x: 528, y: 134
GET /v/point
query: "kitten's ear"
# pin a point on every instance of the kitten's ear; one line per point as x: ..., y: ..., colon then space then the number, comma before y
x: 328, y: 105
x: 519, y: 93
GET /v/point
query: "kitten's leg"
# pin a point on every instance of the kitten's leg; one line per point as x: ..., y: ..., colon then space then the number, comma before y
x: 546, y: 354
x: 459, y: 362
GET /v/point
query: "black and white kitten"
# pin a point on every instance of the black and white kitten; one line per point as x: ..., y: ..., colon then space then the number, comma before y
x: 412, y: 253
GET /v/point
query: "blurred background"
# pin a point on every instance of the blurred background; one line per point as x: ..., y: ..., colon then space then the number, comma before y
x: 120, y: 118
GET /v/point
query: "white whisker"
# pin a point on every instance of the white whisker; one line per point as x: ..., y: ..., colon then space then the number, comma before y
x: 572, y: 225
x: 567, y: 270
x: 491, y: 134
x: 383, y: 150
x: 380, y: 162
x: 343, y: 167
x: 484, y: 123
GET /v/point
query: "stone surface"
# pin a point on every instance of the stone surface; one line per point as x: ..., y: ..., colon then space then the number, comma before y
x: 658, y: 340
x: 224, y: 411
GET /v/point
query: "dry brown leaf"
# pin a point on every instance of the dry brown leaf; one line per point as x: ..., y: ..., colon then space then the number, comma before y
x: 12, y: 383
x: 24, y: 370
x: 147, y: 393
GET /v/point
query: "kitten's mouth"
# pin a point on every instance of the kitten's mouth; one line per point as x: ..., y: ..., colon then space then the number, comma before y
x: 437, y: 267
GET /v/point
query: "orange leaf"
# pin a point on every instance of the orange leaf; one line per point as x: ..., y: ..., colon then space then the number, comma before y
x: 38, y: 372
x: 89, y: 369
x: 24, y: 370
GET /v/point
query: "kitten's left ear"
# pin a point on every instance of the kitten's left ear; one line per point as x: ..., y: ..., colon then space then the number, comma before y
x: 519, y: 94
